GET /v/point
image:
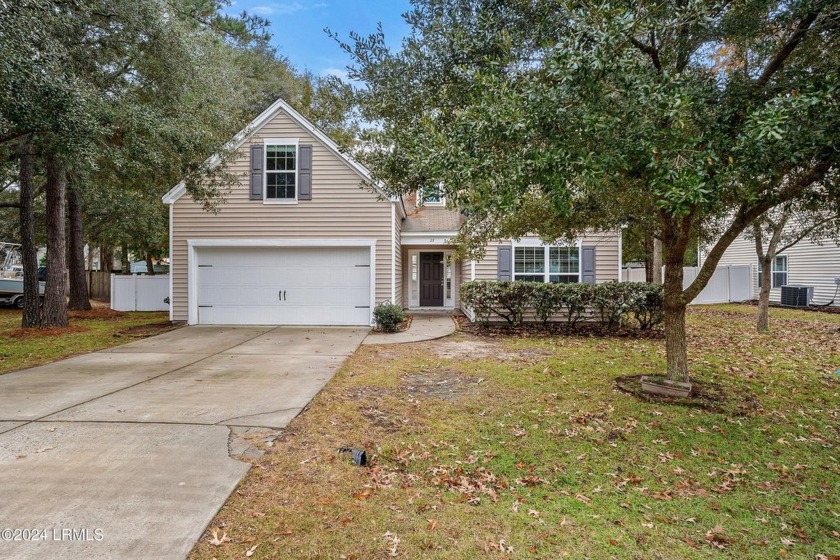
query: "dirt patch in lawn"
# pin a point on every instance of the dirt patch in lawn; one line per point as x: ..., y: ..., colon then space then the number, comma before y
x: 144, y: 331
x: 467, y: 348
x: 445, y: 384
x: 711, y: 397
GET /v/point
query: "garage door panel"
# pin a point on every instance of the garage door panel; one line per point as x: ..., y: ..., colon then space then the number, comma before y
x: 318, y: 285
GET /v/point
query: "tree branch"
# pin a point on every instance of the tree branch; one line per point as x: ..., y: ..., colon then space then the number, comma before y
x: 806, y: 233
x: 793, y: 41
x: 744, y: 217
x: 649, y: 50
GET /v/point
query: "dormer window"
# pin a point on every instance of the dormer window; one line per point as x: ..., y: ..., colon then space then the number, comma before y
x: 431, y: 196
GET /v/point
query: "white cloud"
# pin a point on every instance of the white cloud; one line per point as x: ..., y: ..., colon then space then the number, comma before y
x: 286, y: 8
x: 337, y: 72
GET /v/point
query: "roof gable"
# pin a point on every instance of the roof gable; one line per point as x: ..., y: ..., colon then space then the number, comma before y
x: 257, y: 124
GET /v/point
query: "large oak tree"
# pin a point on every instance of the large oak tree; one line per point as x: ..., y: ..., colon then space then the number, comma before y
x: 549, y: 117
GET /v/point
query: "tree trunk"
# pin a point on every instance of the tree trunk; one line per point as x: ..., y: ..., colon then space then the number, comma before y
x: 150, y: 267
x: 28, y: 249
x: 763, y: 321
x: 124, y: 260
x: 656, y: 262
x: 55, y: 295
x: 106, y: 259
x: 674, y: 309
x: 79, y: 290
x: 648, y: 243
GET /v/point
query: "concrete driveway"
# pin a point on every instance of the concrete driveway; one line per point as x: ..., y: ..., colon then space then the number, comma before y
x: 130, y: 452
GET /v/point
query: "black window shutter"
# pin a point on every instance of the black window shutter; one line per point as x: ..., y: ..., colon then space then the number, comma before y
x: 305, y: 172
x: 504, y: 261
x: 588, y: 265
x: 256, y: 172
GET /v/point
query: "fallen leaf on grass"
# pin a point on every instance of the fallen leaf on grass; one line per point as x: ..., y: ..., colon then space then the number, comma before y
x: 364, y: 494
x: 251, y: 550
x: 216, y: 540
x: 394, y: 540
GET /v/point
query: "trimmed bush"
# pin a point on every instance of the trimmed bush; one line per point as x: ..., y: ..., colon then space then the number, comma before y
x: 388, y: 316
x: 612, y: 303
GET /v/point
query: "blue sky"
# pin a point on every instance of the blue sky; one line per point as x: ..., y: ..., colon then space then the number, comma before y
x: 297, y: 26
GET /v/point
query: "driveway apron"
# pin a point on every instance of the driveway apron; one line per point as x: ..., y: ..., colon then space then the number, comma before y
x: 130, y: 452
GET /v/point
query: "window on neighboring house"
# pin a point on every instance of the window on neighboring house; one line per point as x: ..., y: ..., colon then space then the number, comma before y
x: 778, y: 272
x: 281, y: 172
x: 546, y: 264
x: 430, y: 195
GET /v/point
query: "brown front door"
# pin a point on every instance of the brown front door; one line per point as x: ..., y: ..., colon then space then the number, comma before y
x: 431, y: 279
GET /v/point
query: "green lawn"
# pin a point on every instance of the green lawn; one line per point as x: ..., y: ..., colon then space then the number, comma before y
x: 87, y: 332
x: 522, y: 448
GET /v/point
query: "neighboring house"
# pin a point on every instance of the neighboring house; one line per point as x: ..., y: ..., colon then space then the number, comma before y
x: 806, y: 263
x: 301, y: 241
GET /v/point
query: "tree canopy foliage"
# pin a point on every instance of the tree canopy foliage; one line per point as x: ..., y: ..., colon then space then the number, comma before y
x: 128, y: 98
x: 555, y: 118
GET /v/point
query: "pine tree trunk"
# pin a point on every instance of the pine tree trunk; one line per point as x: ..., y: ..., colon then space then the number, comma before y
x: 79, y: 290
x: 648, y: 259
x: 763, y: 321
x: 28, y: 249
x: 126, y: 263
x: 676, y: 350
x: 55, y: 295
x: 656, y: 262
x: 150, y: 267
x: 106, y: 259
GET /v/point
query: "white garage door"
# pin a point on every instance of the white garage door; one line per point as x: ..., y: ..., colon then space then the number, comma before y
x: 283, y: 286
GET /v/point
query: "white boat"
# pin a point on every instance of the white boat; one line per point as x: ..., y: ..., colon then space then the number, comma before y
x: 11, y: 291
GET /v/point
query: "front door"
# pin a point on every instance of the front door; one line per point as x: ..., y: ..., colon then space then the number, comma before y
x: 431, y: 279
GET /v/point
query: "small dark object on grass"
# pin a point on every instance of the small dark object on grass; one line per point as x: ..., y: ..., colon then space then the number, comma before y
x: 359, y: 455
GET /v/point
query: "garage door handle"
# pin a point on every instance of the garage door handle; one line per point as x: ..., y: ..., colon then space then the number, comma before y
x: 280, y: 295
x: 284, y: 295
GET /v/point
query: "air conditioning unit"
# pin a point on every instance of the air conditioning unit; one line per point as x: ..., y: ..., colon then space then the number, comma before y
x: 796, y: 295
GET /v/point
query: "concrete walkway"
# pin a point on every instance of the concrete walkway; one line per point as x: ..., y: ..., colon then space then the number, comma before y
x: 423, y: 327
x: 130, y: 452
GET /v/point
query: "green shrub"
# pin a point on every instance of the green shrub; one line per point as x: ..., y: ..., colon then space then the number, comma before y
x: 646, y: 305
x: 612, y: 303
x: 388, y: 316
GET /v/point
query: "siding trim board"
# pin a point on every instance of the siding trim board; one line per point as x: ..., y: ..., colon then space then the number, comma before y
x: 192, y: 261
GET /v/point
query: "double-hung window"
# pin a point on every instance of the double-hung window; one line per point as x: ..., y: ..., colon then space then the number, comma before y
x: 778, y: 272
x: 281, y: 167
x: 546, y: 264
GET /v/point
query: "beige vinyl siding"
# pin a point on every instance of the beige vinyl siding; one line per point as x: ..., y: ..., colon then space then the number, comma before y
x: 398, y: 258
x: 809, y: 263
x: 339, y: 209
x: 606, y: 257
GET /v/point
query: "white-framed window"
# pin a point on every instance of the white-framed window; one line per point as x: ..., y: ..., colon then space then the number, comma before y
x: 778, y: 272
x: 546, y: 264
x: 281, y: 171
x: 431, y: 196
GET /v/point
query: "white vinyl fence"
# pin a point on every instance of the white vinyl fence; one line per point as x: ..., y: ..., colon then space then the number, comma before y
x: 727, y: 284
x: 633, y: 274
x: 139, y: 292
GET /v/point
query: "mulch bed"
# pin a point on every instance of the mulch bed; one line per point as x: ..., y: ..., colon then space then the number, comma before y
x: 588, y: 330
x: 144, y: 331
x: 96, y: 313
x: 38, y: 333
x: 706, y: 396
x: 404, y: 326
